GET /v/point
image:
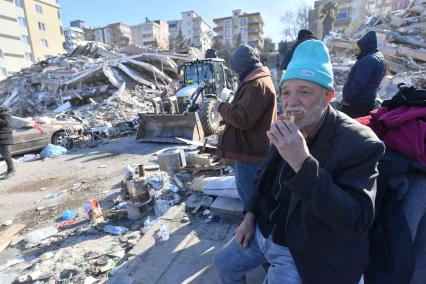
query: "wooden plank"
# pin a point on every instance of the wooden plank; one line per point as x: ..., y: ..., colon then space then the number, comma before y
x: 7, y: 236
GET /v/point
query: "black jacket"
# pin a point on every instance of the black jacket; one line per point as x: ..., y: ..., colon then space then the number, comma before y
x: 331, y: 201
x: 366, y: 75
x: 290, y: 53
x: 5, y: 126
x: 392, y: 251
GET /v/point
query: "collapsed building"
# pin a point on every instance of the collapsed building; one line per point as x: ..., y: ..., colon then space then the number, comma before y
x: 402, y: 40
x: 95, y: 80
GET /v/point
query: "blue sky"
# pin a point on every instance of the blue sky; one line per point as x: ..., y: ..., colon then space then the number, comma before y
x: 98, y: 13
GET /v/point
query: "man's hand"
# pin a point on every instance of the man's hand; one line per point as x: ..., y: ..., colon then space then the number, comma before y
x: 245, y: 230
x: 289, y: 142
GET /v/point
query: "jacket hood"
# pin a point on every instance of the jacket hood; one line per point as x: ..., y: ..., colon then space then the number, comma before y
x: 257, y: 73
x: 244, y: 60
x: 367, y: 44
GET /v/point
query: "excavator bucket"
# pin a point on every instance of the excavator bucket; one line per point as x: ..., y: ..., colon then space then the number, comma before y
x: 167, y: 128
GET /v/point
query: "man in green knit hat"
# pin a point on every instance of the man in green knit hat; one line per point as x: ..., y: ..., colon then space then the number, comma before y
x: 313, y: 202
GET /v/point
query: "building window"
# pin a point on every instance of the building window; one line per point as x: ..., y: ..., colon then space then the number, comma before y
x: 41, y: 26
x: 343, y: 14
x: 29, y: 56
x: 22, y: 21
x: 1, y: 54
x: 19, y: 3
x: 44, y: 43
x: 172, y: 26
x: 61, y: 30
x: 39, y: 9
x: 243, y: 31
x: 59, y: 15
x: 3, y: 72
x: 228, y: 24
x: 227, y: 34
x: 243, y: 22
x: 25, y: 40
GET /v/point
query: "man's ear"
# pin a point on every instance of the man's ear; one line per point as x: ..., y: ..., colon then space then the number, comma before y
x: 329, y: 95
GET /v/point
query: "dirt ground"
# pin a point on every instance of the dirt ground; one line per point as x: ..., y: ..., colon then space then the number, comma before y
x: 41, y: 190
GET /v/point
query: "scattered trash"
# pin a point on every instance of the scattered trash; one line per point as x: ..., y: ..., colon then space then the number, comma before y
x: 52, y: 151
x: 67, y: 223
x: 161, y: 206
x: 174, y: 189
x: 128, y: 172
x: 68, y: 215
x: 27, y: 158
x: 102, y: 167
x: 47, y: 255
x: 115, y: 230
x: 90, y: 280
x: 110, y: 265
x: 121, y: 205
x: 93, y: 209
x: 164, y: 233
x: 147, y: 224
x: 155, y: 182
x: 207, y: 212
x: 35, y: 237
x: 133, y: 212
x: 50, y: 196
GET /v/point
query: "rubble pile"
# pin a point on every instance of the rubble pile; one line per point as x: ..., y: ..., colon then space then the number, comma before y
x: 402, y: 40
x: 95, y: 79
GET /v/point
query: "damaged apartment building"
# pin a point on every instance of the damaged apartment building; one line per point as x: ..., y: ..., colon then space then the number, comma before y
x: 30, y: 31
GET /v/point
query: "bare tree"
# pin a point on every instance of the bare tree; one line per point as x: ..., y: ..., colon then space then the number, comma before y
x: 294, y: 21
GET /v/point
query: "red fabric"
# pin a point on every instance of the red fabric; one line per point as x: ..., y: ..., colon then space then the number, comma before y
x: 37, y: 126
x: 402, y: 129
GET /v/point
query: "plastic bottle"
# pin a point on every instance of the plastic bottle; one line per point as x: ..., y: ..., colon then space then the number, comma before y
x: 164, y: 233
x: 115, y: 230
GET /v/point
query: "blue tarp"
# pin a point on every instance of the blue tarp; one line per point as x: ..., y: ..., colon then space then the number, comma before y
x: 51, y: 151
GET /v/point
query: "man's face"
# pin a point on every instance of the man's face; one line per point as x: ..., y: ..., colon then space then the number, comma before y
x: 304, y: 100
x: 357, y: 49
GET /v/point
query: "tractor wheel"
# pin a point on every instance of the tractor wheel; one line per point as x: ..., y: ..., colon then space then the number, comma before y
x: 210, y: 118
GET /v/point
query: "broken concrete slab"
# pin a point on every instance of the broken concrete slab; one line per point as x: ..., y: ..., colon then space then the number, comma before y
x: 228, y: 208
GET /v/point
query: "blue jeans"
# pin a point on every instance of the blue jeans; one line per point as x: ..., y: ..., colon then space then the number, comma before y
x: 233, y: 262
x: 245, y: 175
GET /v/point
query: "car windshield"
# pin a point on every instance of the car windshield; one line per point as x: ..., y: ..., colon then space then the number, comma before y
x: 204, y: 71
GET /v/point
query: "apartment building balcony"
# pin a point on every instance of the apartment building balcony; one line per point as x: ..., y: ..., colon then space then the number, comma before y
x: 218, y: 29
x: 342, y: 21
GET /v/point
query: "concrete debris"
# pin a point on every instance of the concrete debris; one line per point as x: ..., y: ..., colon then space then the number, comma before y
x: 95, y: 80
x: 402, y: 39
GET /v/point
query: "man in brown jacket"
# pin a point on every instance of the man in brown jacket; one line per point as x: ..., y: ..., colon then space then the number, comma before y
x: 248, y: 118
